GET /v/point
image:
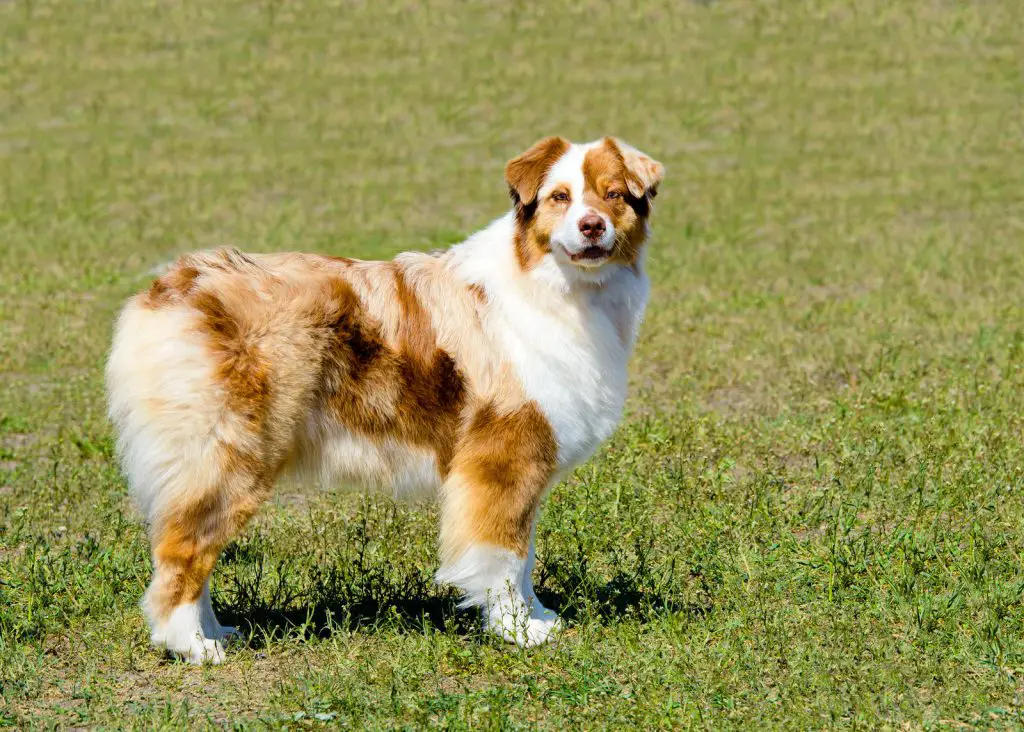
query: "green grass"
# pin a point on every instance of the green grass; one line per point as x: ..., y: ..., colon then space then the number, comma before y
x: 813, y: 513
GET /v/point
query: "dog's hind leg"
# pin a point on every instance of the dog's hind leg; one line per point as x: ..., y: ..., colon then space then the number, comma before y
x: 207, y: 385
x: 188, y: 536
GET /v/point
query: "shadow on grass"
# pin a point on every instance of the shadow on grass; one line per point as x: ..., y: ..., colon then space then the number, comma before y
x: 324, y: 618
x: 621, y: 598
x: 340, y: 601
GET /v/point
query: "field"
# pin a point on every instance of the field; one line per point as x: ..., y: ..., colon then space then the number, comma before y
x: 812, y: 515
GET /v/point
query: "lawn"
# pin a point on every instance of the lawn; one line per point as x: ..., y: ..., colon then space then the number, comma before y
x: 813, y: 513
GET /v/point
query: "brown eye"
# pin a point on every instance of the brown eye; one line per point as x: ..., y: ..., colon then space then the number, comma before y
x: 560, y: 196
x: 612, y: 194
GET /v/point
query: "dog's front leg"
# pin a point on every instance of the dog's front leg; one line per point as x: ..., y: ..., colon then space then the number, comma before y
x: 500, y: 472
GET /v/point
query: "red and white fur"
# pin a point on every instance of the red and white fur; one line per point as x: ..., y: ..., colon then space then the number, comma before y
x: 486, y: 372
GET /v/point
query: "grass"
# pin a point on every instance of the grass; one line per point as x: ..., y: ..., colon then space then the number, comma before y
x: 813, y: 513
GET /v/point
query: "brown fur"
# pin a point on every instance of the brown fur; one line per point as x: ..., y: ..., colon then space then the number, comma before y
x: 524, y: 175
x: 187, y: 543
x: 504, y: 463
x: 410, y: 389
x: 285, y: 357
x: 525, y: 172
x: 362, y: 338
x: 478, y: 293
x: 174, y: 285
x: 242, y: 368
x: 605, y: 168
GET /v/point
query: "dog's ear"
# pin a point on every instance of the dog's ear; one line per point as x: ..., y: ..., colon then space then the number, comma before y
x: 643, y: 173
x: 525, y: 173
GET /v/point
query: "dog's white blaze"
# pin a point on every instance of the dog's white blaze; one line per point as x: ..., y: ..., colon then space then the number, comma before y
x: 568, y: 170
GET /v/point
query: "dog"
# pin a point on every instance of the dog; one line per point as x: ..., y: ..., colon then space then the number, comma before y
x: 486, y: 372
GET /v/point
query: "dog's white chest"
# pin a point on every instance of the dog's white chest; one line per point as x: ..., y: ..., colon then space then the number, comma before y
x: 582, y: 393
x: 574, y: 365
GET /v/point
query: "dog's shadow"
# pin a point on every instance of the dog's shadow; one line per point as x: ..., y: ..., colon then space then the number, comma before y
x: 412, y: 607
x: 323, y: 618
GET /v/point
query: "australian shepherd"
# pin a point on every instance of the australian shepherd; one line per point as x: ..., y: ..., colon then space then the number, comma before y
x: 486, y: 371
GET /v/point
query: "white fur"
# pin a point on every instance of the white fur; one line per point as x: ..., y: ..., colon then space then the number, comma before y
x: 183, y: 634
x: 564, y: 337
x: 208, y: 620
x: 568, y: 330
x: 567, y: 239
x: 159, y: 366
x: 496, y: 580
x: 191, y: 632
x: 340, y: 456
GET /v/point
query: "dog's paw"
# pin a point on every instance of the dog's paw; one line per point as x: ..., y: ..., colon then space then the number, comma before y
x: 541, y: 626
x: 203, y: 650
x: 540, y: 630
x: 183, y: 636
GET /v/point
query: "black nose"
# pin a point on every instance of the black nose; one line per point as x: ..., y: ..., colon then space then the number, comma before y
x: 592, y: 226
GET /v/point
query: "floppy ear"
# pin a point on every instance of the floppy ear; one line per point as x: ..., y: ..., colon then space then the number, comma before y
x: 643, y: 173
x: 525, y: 173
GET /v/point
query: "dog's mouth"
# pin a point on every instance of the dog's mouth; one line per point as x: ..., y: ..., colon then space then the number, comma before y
x: 591, y: 255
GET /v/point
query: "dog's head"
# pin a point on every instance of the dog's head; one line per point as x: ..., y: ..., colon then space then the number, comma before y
x: 587, y: 206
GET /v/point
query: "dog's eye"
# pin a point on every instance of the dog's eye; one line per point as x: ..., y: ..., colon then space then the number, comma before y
x: 612, y: 194
x: 560, y: 196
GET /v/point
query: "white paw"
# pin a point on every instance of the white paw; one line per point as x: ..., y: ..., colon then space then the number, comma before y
x: 541, y: 626
x: 541, y: 630
x: 185, y: 636
x: 203, y: 650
